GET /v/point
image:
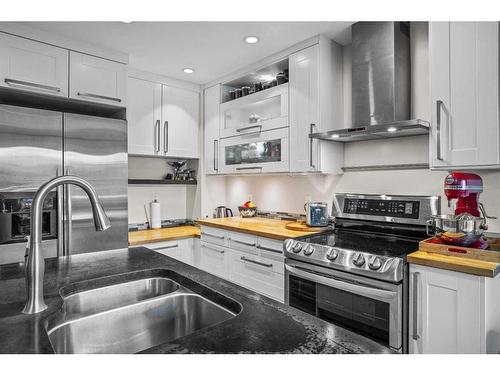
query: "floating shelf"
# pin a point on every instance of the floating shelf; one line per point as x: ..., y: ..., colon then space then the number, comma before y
x: 160, y: 182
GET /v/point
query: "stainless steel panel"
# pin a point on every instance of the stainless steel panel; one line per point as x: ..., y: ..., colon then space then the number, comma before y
x: 96, y: 149
x: 30, y: 154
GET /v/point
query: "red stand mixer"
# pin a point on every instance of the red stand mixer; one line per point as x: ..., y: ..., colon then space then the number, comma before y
x: 466, y: 226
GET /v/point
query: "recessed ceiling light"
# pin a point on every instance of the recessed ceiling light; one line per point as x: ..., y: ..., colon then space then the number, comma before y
x: 127, y: 21
x: 188, y: 70
x: 334, y: 136
x: 251, y: 39
x: 392, y: 129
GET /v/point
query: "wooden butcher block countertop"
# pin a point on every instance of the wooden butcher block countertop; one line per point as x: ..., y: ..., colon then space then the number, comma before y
x: 142, y: 237
x: 270, y: 228
x: 453, y: 258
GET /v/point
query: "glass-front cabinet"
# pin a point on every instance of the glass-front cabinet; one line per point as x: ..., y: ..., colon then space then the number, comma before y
x: 257, y: 152
x: 260, y: 111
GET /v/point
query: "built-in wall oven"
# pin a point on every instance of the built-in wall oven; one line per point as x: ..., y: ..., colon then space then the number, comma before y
x: 370, y: 307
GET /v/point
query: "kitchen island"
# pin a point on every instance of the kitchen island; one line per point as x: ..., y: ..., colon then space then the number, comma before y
x: 262, y: 326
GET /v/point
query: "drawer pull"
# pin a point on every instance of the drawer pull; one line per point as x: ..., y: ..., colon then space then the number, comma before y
x: 95, y: 96
x: 249, y: 127
x: 256, y: 262
x: 213, y: 249
x: 269, y: 249
x: 166, y: 247
x: 212, y: 235
x: 247, y: 168
x: 15, y: 82
x: 244, y: 243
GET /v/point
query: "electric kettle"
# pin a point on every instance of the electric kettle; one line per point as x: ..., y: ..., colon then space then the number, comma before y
x: 222, y: 211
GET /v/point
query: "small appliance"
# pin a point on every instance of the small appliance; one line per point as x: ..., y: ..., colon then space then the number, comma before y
x: 222, y: 211
x: 316, y: 214
x: 465, y: 227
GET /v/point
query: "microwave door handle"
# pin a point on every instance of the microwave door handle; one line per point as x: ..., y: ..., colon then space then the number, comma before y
x: 370, y: 292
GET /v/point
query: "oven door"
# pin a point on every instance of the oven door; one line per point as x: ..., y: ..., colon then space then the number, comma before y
x: 369, y: 307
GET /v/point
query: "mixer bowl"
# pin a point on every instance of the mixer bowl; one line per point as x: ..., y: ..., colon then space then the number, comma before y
x: 453, y: 230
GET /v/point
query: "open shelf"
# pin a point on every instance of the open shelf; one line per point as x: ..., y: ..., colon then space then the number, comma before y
x: 161, y: 182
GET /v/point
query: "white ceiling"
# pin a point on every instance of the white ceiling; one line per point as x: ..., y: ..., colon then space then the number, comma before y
x: 213, y: 49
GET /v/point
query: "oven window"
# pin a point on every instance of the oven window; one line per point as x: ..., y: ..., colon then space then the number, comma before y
x: 302, y: 294
x: 364, y: 315
x: 255, y: 152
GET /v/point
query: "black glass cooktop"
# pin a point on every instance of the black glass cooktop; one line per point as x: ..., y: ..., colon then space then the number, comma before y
x: 367, y: 242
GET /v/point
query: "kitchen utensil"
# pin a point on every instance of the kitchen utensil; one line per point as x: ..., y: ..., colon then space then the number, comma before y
x: 247, y: 211
x: 177, y: 165
x: 257, y: 86
x: 316, y: 214
x: 281, y: 78
x: 222, y: 211
x: 274, y: 83
x: 245, y: 90
x: 459, y: 230
x: 238, y: 93
x: 301, y: 226
x: 232, y: 94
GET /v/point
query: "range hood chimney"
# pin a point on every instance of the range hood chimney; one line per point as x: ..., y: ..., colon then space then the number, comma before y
x: 381, y: 71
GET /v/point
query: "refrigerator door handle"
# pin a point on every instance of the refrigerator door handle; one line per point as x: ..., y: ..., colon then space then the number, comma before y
x: 60, y: 218
x: 68, y: 217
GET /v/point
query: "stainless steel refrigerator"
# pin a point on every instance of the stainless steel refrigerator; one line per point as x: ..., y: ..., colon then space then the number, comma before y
x: 37, y: 145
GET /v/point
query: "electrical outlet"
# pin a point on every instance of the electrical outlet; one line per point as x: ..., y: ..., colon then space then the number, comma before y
x: 307, y: 199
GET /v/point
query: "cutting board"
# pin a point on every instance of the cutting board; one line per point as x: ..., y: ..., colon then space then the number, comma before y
x: 301, y: 226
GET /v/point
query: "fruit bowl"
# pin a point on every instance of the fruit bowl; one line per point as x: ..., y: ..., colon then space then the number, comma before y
x: 247, y: 211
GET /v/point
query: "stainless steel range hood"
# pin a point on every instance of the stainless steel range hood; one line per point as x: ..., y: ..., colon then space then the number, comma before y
x: 380, y: 85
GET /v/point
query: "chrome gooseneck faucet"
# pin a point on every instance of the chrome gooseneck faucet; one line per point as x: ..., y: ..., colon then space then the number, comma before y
x: 35, y: 265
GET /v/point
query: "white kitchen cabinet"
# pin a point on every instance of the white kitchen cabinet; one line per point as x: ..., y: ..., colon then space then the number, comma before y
x: 258, y: 152
x: 33, y: 66
x: 181, y: 250
x: 144, y: 117
x: 180, y: 122
x: 211, y: 132
x: 452, y: 312
x: 213, y: 259
x: 97, y: 80
x: 464, y: 76
x: 316, y: 105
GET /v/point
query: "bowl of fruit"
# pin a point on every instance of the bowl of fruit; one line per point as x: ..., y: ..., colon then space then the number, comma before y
x: 248, y: 209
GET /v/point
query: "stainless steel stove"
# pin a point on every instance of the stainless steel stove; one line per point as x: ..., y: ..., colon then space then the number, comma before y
x: 355, y: 274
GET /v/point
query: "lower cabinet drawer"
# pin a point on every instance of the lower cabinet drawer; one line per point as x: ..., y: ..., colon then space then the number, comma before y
x: 179, y: 249
x: 257, y: 273
x: 212, y: 258
x: 213, y: 235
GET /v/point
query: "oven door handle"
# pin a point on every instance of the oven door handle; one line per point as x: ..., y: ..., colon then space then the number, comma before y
x: 346, y: 285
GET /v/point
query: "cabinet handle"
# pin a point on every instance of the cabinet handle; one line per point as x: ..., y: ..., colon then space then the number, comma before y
x: 415, y: 306
x: 216, y: 157
x: 213, y: 249
x: 244, y: 243
x: 440, y: 106
x: 165, y: 137
x: 60, y: 218
x: 256, y: 262
x: 269, y: 249
x: 95, y: 96
x: 16, y: 82
x: 311, y: 128
x: 166, y: 247
x: 157, y: 136
x: 247, y: 168
x: 249, y: 127
x: 213, y: 235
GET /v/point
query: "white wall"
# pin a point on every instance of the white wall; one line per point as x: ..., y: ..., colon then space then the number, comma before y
x: 288, y: 193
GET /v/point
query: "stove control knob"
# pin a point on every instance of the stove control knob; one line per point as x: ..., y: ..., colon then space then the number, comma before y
x: 375, y: 263
x: 358, y: 260
x: 297, y: 247
x: 332, y: 255
x: 308, y: 250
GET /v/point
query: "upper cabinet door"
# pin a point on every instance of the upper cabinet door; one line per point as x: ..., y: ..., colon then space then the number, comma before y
x: 33, y: 66
x: 97, y: 80
x: 180, y: 122
x: 464, y: 93
x: 144, y: 117
x: 304, y: 109
x: 212, y: 121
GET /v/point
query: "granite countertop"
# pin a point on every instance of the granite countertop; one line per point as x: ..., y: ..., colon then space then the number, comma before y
x: 143, y: 237
x: 270, y: 228
x: 263, y: 326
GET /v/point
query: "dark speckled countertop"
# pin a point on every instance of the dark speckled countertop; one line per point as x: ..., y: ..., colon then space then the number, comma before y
x: 263, y: 326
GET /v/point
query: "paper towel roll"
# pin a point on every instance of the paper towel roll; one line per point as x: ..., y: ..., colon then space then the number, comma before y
x: 155, y: 215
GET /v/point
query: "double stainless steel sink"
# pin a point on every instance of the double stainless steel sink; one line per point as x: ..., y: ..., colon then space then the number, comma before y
x: 132, y: 316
